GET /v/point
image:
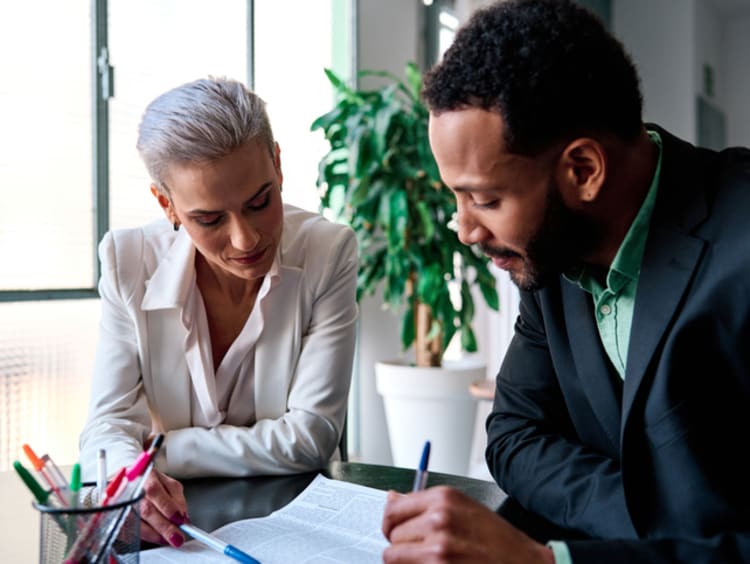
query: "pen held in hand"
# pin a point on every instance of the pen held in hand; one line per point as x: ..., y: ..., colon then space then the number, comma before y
x: 420, y: 478
x: 217, y: 544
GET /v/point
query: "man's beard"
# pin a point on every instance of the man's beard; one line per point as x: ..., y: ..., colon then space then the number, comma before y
x: 563, y: 238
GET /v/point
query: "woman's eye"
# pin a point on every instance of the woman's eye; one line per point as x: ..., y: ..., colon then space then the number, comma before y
x: 208, y: 221
x: 261, y: 201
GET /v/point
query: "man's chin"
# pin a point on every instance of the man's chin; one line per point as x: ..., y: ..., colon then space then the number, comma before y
x: 531, y: 281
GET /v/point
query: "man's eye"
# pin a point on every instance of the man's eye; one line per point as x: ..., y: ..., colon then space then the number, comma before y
x: 486, y: 205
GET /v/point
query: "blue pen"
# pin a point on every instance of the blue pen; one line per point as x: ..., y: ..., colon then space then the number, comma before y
x: 217, y: 544
x: 420, y: 478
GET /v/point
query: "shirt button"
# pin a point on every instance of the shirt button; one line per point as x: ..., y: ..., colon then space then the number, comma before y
x: 605, y: 309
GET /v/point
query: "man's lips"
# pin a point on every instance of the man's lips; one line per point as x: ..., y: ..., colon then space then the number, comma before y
x: 503, y: 262
x: 501, y: 258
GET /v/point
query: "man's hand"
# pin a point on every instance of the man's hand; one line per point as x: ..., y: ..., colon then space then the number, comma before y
x: 162, y: 509
x: 443, y: 525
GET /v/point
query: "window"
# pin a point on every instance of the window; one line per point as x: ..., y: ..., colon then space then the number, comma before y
x: 69, y: 169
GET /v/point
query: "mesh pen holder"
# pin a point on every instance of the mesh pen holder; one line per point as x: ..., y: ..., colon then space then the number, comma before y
x: 89, y: 533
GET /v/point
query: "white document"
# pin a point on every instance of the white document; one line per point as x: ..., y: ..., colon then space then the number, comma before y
x: 330, y: 521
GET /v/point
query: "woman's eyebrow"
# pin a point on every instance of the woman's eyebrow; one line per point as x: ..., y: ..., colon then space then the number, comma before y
x: 263, y: 187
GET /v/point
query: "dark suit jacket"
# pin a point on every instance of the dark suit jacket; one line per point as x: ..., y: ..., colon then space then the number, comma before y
x: 655, y: 461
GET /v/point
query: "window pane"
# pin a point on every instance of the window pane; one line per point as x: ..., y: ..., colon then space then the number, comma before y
x: 46, y: 222
x: 46, y: 357
x: 290, y: 55
x: 154, y: 46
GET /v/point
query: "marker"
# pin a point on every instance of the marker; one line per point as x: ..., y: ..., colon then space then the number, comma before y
x: 75, y: 485
x: 149, y: 457
x: 49, y: 472
x: 420, y: 478
x: 39, y: 493
x: 101, y: 473
x: 217, y: 544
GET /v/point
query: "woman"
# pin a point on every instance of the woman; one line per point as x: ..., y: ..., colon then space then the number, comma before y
x: 229, y: 328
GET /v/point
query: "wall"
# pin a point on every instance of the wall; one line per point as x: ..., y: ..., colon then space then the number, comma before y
x: 737, y: 48
x: 659, y: 35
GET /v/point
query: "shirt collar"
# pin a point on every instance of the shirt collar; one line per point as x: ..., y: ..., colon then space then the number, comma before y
x: 170, y: 283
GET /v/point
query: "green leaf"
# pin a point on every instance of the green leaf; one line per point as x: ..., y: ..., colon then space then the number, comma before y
x: 414, y: 80
x: 468, y: 340
x: 428, y: 225
x: 397, y: 214
x: 407, y: 327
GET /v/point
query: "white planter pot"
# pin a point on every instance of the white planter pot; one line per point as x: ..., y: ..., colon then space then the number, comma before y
x: 430, y: 404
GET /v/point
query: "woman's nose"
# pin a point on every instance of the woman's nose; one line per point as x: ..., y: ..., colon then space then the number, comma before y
x: 244, y: 236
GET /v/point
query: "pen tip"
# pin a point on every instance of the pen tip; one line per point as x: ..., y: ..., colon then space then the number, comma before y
x: 425, y: 456
x: 157, y: 441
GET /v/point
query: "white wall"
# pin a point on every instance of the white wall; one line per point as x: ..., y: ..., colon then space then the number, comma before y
x: 659, y: 36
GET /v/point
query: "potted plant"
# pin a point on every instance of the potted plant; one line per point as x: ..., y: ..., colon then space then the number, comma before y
x: 380, y: 177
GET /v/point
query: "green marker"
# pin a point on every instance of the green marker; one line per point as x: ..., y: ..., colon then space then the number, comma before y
x: 39, y: 493
x: 75, y: 484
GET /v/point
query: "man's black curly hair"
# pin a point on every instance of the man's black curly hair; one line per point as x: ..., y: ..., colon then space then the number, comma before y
x: 549, y: 67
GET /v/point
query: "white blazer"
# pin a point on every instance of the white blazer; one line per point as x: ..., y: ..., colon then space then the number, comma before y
x: 302, y: 363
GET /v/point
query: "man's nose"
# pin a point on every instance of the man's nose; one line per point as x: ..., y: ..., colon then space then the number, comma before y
x: 470, y: 231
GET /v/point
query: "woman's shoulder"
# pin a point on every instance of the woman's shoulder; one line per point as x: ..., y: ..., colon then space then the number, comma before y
x: 309, y: 237
x: 153, y: 238
x: 301, y: 225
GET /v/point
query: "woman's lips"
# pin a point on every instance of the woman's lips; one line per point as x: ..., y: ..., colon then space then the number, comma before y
x: 250, y: 259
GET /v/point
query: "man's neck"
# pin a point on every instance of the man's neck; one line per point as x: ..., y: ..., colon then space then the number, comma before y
x: 631, y: 171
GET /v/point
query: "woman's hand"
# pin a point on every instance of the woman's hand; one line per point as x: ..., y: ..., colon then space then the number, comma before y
x: 162, y: 509
x: 441, y: 524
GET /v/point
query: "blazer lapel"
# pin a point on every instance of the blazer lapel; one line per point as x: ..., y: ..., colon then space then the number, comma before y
x: 668, y: 265
x: 591, y: 360
x: 671, y: 256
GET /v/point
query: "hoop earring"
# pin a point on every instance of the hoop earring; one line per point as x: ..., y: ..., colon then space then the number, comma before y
x: 176, y: 226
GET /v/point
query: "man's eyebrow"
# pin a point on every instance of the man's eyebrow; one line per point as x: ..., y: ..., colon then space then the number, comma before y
x: 263, y: 187
x: 469, y: 189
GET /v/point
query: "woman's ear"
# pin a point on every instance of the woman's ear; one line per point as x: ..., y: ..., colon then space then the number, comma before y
x: 581, y: 171
x: 277, y: 164
x: 165, y: 203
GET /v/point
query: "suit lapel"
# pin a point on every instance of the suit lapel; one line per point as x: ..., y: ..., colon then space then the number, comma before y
x: 592, y: 368
x: 671, y: 255
x: 668, y: 265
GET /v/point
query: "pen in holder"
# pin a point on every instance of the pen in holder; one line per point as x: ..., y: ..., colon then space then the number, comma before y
x: 98, y: 534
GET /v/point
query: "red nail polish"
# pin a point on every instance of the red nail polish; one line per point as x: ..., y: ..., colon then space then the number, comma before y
x: 176, y: 540
x: 177, y: 518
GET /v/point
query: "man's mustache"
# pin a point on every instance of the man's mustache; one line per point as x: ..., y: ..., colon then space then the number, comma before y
x: 498, y: 252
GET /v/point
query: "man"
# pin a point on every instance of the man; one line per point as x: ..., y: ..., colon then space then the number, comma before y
x: 619, y: 412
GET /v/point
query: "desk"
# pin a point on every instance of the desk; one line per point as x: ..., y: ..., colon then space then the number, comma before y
x: 213, y: 502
